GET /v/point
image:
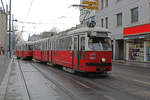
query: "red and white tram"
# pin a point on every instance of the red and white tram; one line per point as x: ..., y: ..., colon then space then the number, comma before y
x: 84, y: 50
x: 80, y: 50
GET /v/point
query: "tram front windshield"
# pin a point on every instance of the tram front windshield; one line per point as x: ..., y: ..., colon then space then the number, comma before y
x: 99, y: 43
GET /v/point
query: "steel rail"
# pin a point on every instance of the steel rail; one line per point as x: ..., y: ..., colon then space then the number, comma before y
x: 28, y: 93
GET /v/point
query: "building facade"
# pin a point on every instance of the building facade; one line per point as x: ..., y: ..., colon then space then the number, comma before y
x: 2, y: 29
x: 129, y: 23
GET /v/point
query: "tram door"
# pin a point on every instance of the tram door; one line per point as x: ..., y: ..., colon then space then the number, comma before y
x: 79, y: 52
x: 76, y: 53
x: 81, y: 57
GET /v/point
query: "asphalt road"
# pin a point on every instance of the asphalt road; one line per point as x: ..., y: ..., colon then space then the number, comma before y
x: 4, y: 62
x: 126, y: 82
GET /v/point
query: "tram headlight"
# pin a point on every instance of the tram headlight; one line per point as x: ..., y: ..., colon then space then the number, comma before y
x: 103, y: 60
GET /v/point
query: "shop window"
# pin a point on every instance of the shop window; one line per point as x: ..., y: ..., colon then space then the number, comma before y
x: 136, y: 50
x: 148, y: 50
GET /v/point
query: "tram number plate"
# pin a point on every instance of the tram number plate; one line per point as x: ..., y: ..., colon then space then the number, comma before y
x: 100, y: 69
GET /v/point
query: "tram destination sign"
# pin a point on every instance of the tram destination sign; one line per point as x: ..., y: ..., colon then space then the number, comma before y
x: 99, y: 34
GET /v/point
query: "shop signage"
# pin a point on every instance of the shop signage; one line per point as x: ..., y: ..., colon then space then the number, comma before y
x: 136, y: 30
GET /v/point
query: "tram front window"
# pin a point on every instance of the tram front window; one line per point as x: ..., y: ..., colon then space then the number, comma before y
x: 99, y: 43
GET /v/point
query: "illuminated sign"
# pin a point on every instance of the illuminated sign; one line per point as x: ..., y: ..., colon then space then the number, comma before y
x: 91, y: 7
x: 90, y: 4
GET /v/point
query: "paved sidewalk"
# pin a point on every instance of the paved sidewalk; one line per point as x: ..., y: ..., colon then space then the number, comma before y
x: 4, y: 62
x: 135, y: 64
x: 12, y: 87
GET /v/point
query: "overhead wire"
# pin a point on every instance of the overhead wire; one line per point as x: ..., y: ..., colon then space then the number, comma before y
x: 30, y: 6
x: 52, y: 22
x: 28, y: 12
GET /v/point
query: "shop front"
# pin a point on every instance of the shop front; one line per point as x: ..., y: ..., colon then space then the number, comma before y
x: 136, y: 49
x: 137, y: 43
x: 147, y: 45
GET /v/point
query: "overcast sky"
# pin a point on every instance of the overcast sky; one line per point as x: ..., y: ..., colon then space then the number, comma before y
x: 49, y: 13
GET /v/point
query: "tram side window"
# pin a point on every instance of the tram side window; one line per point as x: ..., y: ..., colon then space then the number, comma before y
x: 35, y: 46
x: 57, y: 46
x: 75, y: 44
x: 38, y: 46
x: 25, y: 47
x: 68, y: 43
x: 63, y: 44
x: 45, y: 45
x: 49, y: 48
x: 49, y: 45
x: 30, y: 47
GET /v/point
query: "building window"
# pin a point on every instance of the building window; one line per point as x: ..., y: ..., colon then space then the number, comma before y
x: 134, y: 15
x: 106, y: 19
x: 102, y: 4
x: 106, y: 3
x: 102, y: 22
x: 119, y: 19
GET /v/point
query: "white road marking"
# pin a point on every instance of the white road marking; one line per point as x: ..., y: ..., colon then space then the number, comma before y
x: 147, y: 83
x: 82, y: 84
x: 108, y: 97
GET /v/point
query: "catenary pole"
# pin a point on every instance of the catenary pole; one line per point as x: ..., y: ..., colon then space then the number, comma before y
x: 10, y: 28
x: 3, y: 6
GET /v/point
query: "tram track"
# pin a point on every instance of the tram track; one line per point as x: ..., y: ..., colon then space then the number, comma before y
x: 24, y: 80
x: 58, y: 85
x: 81, y: 82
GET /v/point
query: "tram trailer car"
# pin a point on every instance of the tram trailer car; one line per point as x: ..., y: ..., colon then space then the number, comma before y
x: 24, y: 51
x: 37, y: 50
x: 42, y: 50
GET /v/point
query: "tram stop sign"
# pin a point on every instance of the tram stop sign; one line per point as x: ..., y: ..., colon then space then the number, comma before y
x: 91, y: 24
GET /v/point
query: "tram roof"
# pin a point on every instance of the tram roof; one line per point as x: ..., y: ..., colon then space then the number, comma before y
x: 86, y: 29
